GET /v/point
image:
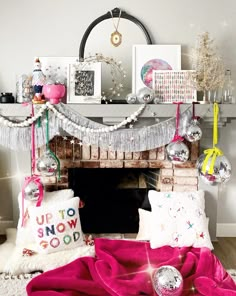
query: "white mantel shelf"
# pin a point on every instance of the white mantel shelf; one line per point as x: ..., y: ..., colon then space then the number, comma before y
x: 123, y: 110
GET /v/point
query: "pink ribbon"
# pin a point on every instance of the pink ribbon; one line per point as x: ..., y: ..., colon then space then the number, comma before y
x: 193, y: 112
x: 32, y: 141
x: 177, y: 137
x: 37, y: 181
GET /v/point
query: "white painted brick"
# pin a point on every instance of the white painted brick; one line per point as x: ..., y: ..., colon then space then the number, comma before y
x: 94, y: 152
x: 120, y: 155
x: 153, y: 154
x: 111, y: 164
x: 185, y: 180
x: 128, y: 155
x: 183, y: 188
x: 136, y: 155
x: 161, y: 153
x: 103, y: 154
x: 167, y: 172
x: 185, y: 172
x: 86, y: 152
x: 165, y: 187
x: 111, y: 154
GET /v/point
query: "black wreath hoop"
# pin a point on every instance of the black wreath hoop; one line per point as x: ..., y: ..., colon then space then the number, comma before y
x: 116, y: 12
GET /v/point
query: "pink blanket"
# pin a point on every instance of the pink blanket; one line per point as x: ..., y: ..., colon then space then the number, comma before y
x: 121, y: 268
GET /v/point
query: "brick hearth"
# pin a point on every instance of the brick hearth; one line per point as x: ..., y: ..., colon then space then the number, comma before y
x: 171, y: 177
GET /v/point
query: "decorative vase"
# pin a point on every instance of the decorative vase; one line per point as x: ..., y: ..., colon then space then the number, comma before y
x: 54, y: 92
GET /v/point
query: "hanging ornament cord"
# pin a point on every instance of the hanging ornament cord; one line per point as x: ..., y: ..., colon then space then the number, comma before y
x: 177, y: 137
x: 116, y: 36
x: 48, y: 149
x: 194, y: 117
x: 214, y: 152
x: 34, y: 178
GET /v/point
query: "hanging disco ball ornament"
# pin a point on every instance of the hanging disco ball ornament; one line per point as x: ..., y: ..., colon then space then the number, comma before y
x: 167, y: 281
x: 47, y: 164
x: 145, y: 95
x: 131, y: 98
x: 193, y: 132
x: 32, y: 188
x: 214, y: 172
x: 213, y: 167
x: 177, y: 151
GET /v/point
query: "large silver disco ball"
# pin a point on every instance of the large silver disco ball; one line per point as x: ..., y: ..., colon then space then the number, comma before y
x: 47, y: 164
x: 167, y: 281
x: 177, y: 152
x: 221, y: 170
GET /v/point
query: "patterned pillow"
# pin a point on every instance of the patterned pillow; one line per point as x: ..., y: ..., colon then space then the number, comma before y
x: 24, y: 236
x: 178, y: 219
x: 144, y: 231
x: 57, y: 226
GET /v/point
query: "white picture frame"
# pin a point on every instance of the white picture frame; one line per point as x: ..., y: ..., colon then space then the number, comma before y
x: 149, y: 57
x: 174, y: 86
x: 84, y: 83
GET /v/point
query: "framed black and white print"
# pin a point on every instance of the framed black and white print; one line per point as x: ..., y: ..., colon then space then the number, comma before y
x: 84, y: 83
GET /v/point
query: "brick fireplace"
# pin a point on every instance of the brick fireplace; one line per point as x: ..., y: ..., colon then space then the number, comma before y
x: 113, y: 184
x: 170, y: 177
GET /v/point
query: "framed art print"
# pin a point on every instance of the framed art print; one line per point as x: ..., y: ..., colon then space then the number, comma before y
x: 174, y: 86
x: 84, y: 83
x: 146, y: 58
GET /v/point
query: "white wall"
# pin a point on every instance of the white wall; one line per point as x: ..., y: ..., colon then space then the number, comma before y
x: 30, y: 28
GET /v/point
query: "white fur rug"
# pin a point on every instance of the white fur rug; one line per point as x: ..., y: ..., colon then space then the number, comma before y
x: 232, y: 272
x: 15, y: 285
x: 11, y: 285
x: 12, y: 260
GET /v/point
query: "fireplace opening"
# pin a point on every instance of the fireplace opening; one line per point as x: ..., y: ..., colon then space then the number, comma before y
x: 112, y: 197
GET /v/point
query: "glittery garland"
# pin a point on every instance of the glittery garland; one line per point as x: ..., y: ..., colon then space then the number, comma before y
x: 62, y: 117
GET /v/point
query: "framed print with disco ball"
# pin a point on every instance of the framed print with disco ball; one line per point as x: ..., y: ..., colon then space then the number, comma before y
x: 147, y: 58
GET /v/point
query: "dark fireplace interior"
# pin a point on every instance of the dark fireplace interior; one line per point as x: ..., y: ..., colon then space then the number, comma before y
x: 112, y: 197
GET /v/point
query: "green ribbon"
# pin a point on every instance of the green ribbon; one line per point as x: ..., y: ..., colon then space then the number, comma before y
x: 48, y: 149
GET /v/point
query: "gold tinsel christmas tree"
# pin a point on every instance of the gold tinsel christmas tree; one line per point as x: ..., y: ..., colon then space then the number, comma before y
x: 209, y: 67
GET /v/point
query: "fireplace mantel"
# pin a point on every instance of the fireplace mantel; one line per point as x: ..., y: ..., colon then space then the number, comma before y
x: 119, y: 111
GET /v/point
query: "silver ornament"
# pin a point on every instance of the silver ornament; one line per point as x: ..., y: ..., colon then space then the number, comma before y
x: 31, y: 191
x: 156, y: 100
x: 193, y: 132
x: 177, y: 152
x: 131, y: 98
x: 145, y: 95
x: 47, y: 164
x: 221, y: 170
x: 167, y: 281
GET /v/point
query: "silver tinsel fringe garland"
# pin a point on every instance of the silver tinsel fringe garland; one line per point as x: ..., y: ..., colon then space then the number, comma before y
x: 127, y: 140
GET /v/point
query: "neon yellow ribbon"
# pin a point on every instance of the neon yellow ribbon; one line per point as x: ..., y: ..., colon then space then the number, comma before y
x: 212, y: 152
x: 215, y: 124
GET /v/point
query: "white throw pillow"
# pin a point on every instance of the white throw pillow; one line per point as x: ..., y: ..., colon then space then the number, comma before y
x: 144, y: 231
x: 57, y: 226
x: 178, y: 219
x: 24, y: 235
